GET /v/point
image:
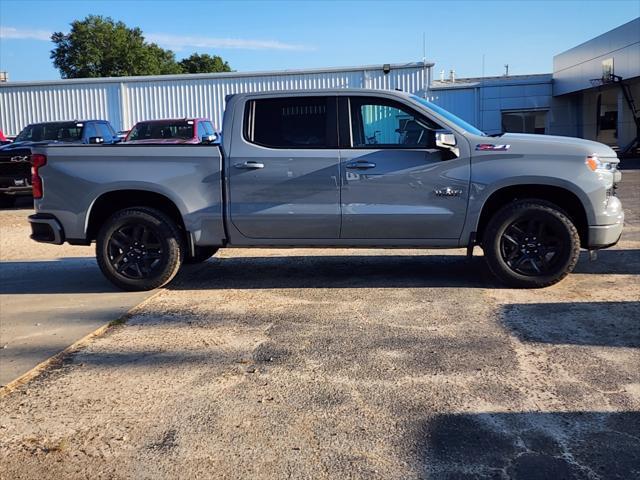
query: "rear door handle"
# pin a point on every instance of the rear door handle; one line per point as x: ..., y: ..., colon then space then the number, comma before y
x: 361, y: 164
x: 249, y: 165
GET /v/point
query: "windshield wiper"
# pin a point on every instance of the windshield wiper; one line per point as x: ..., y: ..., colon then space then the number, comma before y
x: 496, y: 134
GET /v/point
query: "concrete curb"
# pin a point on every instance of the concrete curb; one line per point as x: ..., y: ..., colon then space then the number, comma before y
x: 74, y: 347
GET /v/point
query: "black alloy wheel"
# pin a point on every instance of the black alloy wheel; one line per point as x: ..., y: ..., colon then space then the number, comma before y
x: 135, y: 251
x: 532, y: 245
x: 139, y: 248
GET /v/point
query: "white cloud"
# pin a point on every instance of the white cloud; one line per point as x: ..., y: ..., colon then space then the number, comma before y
x: 24, y: 33
x: 178, y: 42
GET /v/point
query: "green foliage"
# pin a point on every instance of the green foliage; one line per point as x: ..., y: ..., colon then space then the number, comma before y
x: 100, y: 47
x: 204, y: 63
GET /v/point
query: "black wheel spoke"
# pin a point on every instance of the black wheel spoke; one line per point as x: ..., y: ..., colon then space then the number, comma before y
x: 122, y: 267
x: 531, y: 245
x: 135, y: 251
x: 534, y: 264
x: 511, y: 239
x: 120, y: 240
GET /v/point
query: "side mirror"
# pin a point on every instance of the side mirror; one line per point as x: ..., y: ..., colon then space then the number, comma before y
x: 96, y: 140
x: 445, y: 139
x: 209, y: 138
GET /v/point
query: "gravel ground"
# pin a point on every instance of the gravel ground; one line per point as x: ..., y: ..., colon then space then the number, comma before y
x: 350, y: 364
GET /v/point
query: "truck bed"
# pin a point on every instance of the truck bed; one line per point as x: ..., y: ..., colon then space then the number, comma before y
x: 188, y: 175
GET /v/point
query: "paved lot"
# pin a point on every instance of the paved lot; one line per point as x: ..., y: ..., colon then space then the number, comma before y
x: 350, y: 364
x: 48, y: 300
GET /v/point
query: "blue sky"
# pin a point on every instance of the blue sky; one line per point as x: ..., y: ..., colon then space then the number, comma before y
x: 275, y: 35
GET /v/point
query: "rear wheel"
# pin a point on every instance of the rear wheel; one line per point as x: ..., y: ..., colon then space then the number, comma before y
x: 201, y: 254
x: 139, y: 249
x: 531, y: 244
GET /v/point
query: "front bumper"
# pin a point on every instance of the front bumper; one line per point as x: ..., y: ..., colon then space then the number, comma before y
x: 46, y: 229
x: 603, y: 236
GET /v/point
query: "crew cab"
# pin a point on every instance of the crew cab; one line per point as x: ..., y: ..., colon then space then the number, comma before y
x: 341, y: 168
x: 15, y: 158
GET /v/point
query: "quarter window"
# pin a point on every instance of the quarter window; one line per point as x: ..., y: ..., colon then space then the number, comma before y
x: 296, y: 122
x: 380, y: 123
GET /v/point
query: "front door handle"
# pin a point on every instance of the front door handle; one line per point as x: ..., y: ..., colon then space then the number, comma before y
x: 361, y: 164
x: 249, y: 165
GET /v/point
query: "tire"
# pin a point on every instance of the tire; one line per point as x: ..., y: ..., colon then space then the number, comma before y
x: 201, y: 254
x: 7, y: 201
x: 531, y: 244
x: 130, y: 264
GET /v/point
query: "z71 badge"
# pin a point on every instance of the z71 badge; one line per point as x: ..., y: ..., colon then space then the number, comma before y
x: 492, y: 147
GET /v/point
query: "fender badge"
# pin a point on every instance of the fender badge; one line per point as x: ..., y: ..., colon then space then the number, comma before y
x: 492, y: 147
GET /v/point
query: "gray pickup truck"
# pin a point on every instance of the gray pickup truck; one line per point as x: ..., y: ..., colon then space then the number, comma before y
x: 343, y: 168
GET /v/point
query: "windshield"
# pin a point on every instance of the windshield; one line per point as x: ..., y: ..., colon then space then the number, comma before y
x: 63, y: 132
x: 182, y: 130
x: 467, y: 127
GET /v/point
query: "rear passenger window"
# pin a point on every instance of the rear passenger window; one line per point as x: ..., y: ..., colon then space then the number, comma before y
x: 296, y: 122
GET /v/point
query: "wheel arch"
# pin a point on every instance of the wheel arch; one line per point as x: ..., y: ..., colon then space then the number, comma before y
x: 562, y: 197
x: 107, y: 203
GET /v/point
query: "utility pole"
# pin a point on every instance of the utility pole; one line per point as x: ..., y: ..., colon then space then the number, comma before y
x: 506, y: 69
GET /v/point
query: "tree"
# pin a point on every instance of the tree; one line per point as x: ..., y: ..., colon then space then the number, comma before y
x: 204, y: 63
x: 100, y: 47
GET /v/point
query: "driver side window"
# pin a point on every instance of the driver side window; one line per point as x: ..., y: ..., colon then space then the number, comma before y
x: 381, y: 123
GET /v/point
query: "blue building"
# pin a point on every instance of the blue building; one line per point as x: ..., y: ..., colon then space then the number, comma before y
x: 593, y: 93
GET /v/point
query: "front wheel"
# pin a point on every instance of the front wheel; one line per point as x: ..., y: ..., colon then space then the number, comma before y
x: 139, y: 249
x: 531, y: 244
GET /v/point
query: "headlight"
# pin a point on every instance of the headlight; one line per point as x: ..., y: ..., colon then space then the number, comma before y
x: 597, y: 165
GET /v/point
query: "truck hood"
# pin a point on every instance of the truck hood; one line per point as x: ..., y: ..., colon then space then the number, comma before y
x: 526, y: 143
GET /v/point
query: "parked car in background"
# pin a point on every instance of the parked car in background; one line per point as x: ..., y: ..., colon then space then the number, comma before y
x: 3, y: 140
x: 15, y: 158
x: 122, y: 134
x: 174, y: 131
x: 333, y: 168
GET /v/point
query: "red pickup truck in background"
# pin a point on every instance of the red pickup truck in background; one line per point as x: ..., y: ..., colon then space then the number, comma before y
x: 185, y: 130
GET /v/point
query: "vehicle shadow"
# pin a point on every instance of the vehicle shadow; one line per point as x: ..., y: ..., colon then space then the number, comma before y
x: 612, y: 324
x: 324, y: 271
x: 616, y: 261
x: 64, y: 275
x: 530, y: 445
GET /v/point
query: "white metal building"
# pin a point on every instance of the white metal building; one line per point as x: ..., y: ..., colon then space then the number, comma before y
x: 126, y: 100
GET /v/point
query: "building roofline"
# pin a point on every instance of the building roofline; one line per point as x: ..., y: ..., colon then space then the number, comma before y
x: 207, y: 76
x: 598, y: 37
x: 492, y: 81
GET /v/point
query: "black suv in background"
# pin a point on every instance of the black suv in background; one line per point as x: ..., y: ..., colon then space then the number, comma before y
x: 15, y: 158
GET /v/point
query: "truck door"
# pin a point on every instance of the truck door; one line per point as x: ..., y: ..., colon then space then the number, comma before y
x: 396, y: 184
x: 284, y: 170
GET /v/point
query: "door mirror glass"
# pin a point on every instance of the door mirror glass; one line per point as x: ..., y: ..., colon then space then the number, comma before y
x: 445, y: 139
x: 209, y: 138
x: 96, y: 140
